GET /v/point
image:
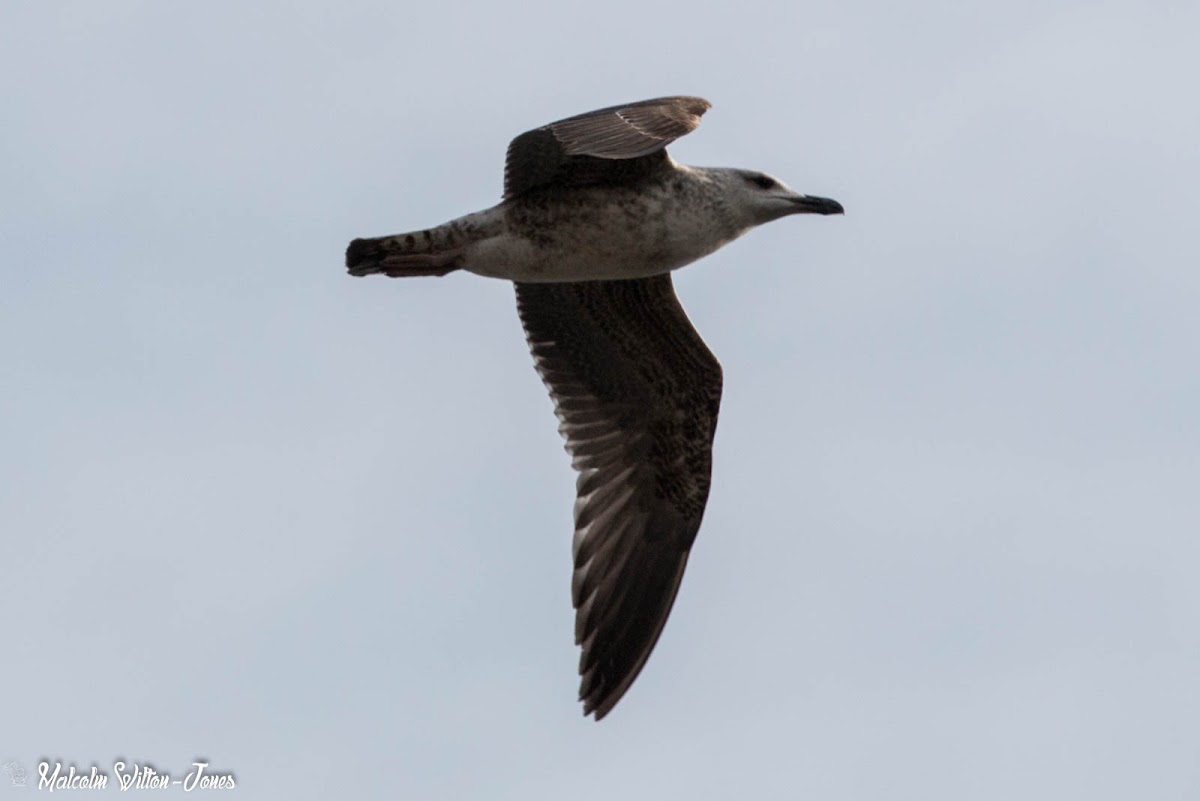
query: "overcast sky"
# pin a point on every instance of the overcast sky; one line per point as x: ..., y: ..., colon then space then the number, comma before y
x: 317, y: 529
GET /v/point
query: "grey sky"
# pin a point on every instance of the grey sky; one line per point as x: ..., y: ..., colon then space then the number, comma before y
x: 317, y: 529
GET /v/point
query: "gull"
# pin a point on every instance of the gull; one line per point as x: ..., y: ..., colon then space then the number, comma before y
x: 595, y: 216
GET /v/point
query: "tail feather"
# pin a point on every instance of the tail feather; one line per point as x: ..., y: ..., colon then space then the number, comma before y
x: 399, y: 256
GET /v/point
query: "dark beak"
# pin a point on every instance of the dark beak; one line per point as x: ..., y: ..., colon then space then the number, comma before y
x: 811, y: 204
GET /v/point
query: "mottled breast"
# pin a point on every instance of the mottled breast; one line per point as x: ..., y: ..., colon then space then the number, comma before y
x: 603, y: 233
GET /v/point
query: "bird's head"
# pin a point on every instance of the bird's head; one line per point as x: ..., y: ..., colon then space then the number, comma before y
x: 762, y: 198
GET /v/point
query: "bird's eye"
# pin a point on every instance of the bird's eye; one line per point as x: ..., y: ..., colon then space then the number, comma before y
x: 762, y: 181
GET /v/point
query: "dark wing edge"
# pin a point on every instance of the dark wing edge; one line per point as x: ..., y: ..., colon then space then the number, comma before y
x: 637, y: 394
x: 551, y: 153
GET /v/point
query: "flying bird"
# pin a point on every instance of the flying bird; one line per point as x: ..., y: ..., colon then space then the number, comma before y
x: 595, y: 216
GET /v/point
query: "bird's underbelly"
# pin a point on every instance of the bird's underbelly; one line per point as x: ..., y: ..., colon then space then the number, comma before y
x: 581, y: 253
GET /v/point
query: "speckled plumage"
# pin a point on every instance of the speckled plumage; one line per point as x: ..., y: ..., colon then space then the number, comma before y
x: 595, y: 215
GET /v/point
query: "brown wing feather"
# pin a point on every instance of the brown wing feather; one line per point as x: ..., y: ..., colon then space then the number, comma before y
x: 590, y: 148
x: 637, y: 393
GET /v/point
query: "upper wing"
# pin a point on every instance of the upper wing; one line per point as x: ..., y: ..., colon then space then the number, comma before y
x: 590, y: 148
x: 636, y: 392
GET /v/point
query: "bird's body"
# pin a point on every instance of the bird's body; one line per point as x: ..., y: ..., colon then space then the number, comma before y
x: 652, y: 225
x: 595, y: 215
x: 607, y: 232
